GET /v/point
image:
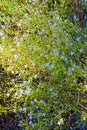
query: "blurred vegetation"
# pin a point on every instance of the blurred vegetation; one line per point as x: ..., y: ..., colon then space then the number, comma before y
x: 43, y: 64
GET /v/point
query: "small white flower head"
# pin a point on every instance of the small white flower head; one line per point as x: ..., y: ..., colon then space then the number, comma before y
x: 8, y: 94
x: 30, y: 46
x: 1, y: 34
x: 12, y: 80
x: 51, y: 89
x: 30, y: 114
x: 35, y: 100
x: 15, y: 94
x: 42, y: 101
x: 36, y: 76
x: 30, y: 122
x: 9, y: 68
x: 16, y: 56
x: 42, y: 114
x: 37, y: 90
x: 51, y: 66
x: 25, y: 66
x: 38, y: 32
x: 69, y: 69
x: 19, y: 24
x: 70, y: 44
x: 41, y: 54
x: 18, y: 44
x: 72, y: 53
x: 20, y: 123
x: 75, y: 81
x: 24, y: 109
x: 21, y: 20
x: 28, y: 90
x: 26, y: 14
x: 85, y: 43
x: 20, y: 110
x: 78, y: 38
x: 13, y: 72
x: 25, y: 36
x: 21, y: 92
x: 54, y: 25
x: 81, y: 50
x: 20, y: 85
x: 64, y: 58
x: 60, y: 122
x: 47, y: 64
x: 55, y: 52
x: 33, y: 64
x: 16, y: 37
x: 85, y: 68
x: 85, y: 85
x: 28, y: 82
x: 75, y: 17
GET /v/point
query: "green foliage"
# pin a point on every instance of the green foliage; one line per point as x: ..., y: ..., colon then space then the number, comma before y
x: 43, y: 56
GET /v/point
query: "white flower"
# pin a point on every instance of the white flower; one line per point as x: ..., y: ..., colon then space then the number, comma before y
x: 36, y: 76
x: 85, y: 68
x: 20, y: 85
x: 9, y: 68
x: 16, y: 56
x: 42, y: 114
x: 21, y: 93
x: 24, y: 109
x: 30, y: 46
x: 8, y: 94
x: 64, y: 58
x: 16, y: 37
x: 18, y: 44
x: 30, y: 114
x: 42, y: 101
x: 1, y: 48
x: 25, y: 36
x: 1, y: 34
x: 55, y: 52
x: 85, y: 42
x: 81, y: 50
x: 70, y: 44
x: 20, y: 109
x: 41, y: 54
x: 26, y: 14
x: 72, y: 53
x: 78, y: 38
x: 30, y: 122
x: 15, y: 94
x: 38, y: 32
x: 60, y: 122
x: 33, y: 64
x: 70, y: 69
x: 51, y: 66
x: 13, y: 72
x: 54, y: 25
x: 19, y: 24
x: 35, y: 100
x: 28, y: 81
x: 47, y: 64
x: 28, y: 91
x: 12, y: 80
x: 25, y: 66
x: 19, y: 123
x: 85, y: 85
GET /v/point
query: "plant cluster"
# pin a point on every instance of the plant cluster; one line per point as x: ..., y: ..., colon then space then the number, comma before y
x: 43, y: 67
